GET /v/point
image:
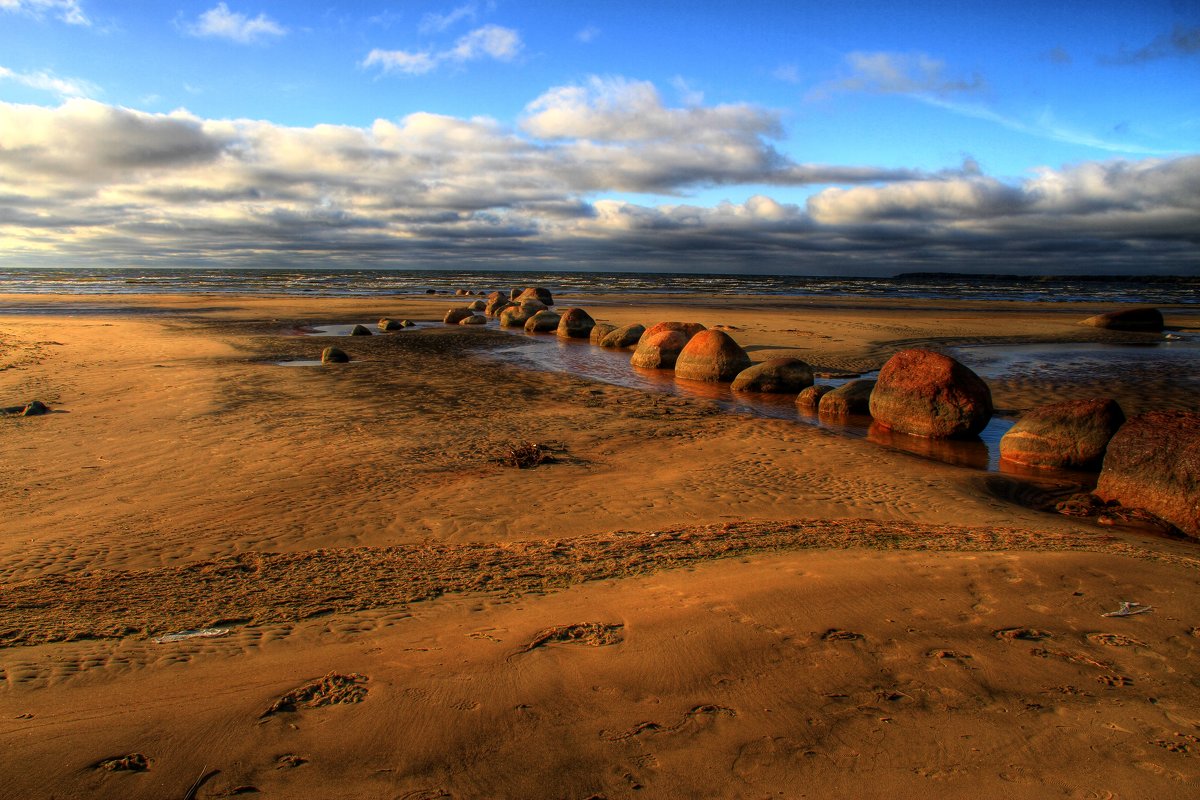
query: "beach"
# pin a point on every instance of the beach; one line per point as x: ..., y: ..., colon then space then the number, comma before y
x: 686, y: 601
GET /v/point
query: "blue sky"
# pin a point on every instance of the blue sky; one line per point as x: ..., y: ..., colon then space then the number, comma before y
x: 886, y: 135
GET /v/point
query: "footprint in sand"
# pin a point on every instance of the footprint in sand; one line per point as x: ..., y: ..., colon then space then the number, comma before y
x: 838, y: 635
x: 653, y: 728
x: 333, y: 689
x: 134, y: 762
x: 1025, y: 634
x: 1115, y: 680
x: 592, y: 634
x: 1115, y: 640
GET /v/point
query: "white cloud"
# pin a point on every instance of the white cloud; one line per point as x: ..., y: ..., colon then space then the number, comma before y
x: 221, y: 23
x: 68, y: 11
x: 490, y: 41
x: 788, y: 73
x: 46, y: 81
x: 587, y: 34
x: 436, y: 23
x: 898, y: 73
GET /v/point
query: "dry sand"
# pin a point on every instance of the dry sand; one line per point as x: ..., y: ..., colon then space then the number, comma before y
x: 687, y: 603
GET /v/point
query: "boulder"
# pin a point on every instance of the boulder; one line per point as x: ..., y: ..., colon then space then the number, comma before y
x: 1072, y: 434
x: 923, y: 393
x: 456, y: 315
x: 493, y: 297
x: 386, y: 324
x: 711, y: 356
x: 35, y: 408
x: 532, y: 305
x: 599, y: 331
x: 461, y: 293
x: 474, y: 319
x: 431, y: 291
x: 659, y: 351
x: 626, y: 336
x: 333, y: 355
x: 477, y: 305
x: 850, y: 398
x: 514, y: 317
x: 809, y: 400
x: 360, y: 330
x: 537, y: 293
x: 544, y: 321
x: 688, y: 329
x: 575, y: 323
x: 493, y: 309
x: 775, y: 376
x: 1153, y: 463
x: 513, y: 294
x: 1128, y: 319
x: 407, y: 323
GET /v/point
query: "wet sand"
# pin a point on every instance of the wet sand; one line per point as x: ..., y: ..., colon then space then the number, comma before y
x: 686, y: 603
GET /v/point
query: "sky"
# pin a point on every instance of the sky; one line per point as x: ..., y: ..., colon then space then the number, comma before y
x: 850, y: 138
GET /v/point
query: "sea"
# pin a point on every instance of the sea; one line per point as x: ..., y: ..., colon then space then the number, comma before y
x: 1158, y: 290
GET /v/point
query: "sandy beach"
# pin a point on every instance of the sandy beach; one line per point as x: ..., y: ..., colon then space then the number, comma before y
x: 686, y: 602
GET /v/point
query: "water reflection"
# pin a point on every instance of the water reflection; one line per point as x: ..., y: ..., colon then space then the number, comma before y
x: 971, y: 453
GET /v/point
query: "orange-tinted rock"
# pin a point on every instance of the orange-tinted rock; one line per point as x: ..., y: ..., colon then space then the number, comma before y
x: 515, y: 317
x: 537, y: 293
x: 851, y: 398
x: 923, y: 393
x: 688, y: 329
x: 626, y: 336
x: 1128, y: 319
x: 494, y: 307
x: 456, y: 315
x: 474, y: 319
x: 775, y: 376
x: 810, y: 399
x: 711, y: 356
x: 543, y: 321
x: 659, y: 351
x: 334, y: 355
x: 1072, y: 434
x: 1153, y: 463
x: 386, y: 324
x: 477, y: 305
x: 575, y: 323
x: 599, y: 331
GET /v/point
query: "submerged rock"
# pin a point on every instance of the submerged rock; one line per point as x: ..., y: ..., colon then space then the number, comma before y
x: 599, y: 331
x: 1153, y: 463
x: 334, y: 355
x: 659, y: 351
x: 625, y: 336
x: 456, y: 315
x: 810, y: 399
x: 575, y: 323
x: 1072, y: 434
x: 775, y: 376
x: 1128, y: 319
x: 851, y: 398
x: 360, y: 330
x: 514, y: 317
x: 544, y: 321
x: 386, y: 324
x: 711, y: 356
x: 923, y: 393
x: 474, y: 319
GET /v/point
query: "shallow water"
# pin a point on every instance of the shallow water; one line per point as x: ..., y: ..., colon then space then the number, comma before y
x: 1074, y: 359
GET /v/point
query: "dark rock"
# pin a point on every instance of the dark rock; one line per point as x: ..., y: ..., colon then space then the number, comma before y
x: 599, y: 331
x: 575, y: 323
x: 626, y: 336
x: 544, y: 321
x: 774, y: 376
x: 35, y: 408
x: 538, y: 293
x: 1072, y: 434
x: 1153, y: 463
x: 1128, y: 319
x: 711, y: 356
x: 456, y: 315
x: 923, y: 393
x: 474, y: 319
x: 515, y: 317
x: 360, y: 330
x: 493, y: 309
x: 477, y: 305
x: 659, y: 351
x: 810, y: 399
x: 386, y: 324
x: 431, y: 291
x: 851, y: 398
x: 333, y: 355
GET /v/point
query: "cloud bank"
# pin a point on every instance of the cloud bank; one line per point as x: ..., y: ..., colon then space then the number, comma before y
x: 488, y: 42
x: 68, y: 11
x: 90, y: 183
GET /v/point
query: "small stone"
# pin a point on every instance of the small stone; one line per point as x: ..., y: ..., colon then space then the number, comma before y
x: 333, y: 355
x: 360, y: 330
x: 851, y: 398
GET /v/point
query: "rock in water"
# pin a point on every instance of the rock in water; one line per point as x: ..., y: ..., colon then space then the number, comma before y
x: 386, y: 324
x: 688, y: 329
x: 537, y: 293
x: 851, y: 398
x: 1153, y: 463
x: 474, y: 319
x: 575, y: 323
x: 544, y: 321
x: 625, y: 336
x: 599, y: 331
x: 456, y: 315
x: 711, y: 355
x: 360, y: 330
x: 1128, y: 319
x: 1072, y: 434
x: 515, y: 317
x: 332, y: 355
x: 810, y: 399
x: 775, y: 376
x: 659, y: 351
x: 477, y: 305
x: 493, y: 309
x: 923, y: 393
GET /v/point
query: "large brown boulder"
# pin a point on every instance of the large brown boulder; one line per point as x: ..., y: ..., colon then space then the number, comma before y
x: 575, y: 323
x: 456, y: 315
x: 1072, y: 434
x: 387, y: 324
x: 474, y: 319
x: 810, y: 399
x: 625, y: 336
x: 711, y: 356
x: 360, y: 330
x: 537, y: 293
x: 544, y: 321
x: 493, y: 309
x: 515, y: 317
x: 477, y: 305
x: 1128, y: 319
x: 513, y: 294
x: 659, y: 351
x: 923, y: 393
x: 599, y: 331
x: 850, y: 398
x: 334, y: 355
x: 688, y: 329
x: 774, y: 376
x: 1153, y: 463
